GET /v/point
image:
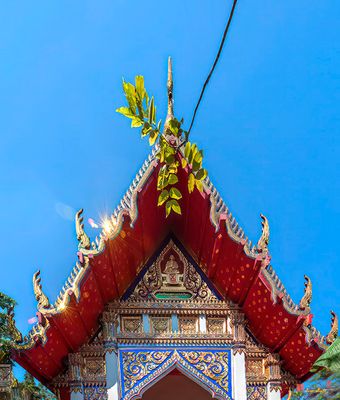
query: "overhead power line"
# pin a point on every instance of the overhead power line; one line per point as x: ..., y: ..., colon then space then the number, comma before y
x: 215, y: 62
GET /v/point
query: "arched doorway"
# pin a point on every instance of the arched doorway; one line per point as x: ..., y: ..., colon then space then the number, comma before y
x: 176, y: 386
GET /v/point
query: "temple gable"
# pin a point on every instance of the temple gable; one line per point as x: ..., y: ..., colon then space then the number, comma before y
x: 171, y: 276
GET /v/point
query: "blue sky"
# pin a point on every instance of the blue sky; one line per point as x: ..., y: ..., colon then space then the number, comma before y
x: 269, y: 124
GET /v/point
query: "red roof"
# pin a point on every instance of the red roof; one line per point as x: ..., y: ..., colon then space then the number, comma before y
x: 212, y: 237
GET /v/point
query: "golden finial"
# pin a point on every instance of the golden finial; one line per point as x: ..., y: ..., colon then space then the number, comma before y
x: 307, y: 297
x: 333, y: 334
x: 40, y: 296
x: 83, y: 239
x: 262, y: 244
x: 170, y: 86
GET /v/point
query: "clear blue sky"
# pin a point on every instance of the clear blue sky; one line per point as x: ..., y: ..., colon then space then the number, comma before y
x: 269, y: 124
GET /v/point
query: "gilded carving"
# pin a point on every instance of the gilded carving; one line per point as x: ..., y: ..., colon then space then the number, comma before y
x: 255, y: 370
x: 273, y: 370
x: 94, y: 368
x: 238, y: 323
x: 40, y: 296
x: 160, y: 325
x: 132, y: 324
x: 212, y: 364
x: 263, y: 242
x: 334, y: 329
x: 216, y: 326
x: 210, y: 368
x: 256, y: 392
x: 307, y: 298
x: 137, y: 365
x: 83, y: 239
x: 172, y: 276
x: 95, y: 393
x: 255, y: 349
x: 188, y: 325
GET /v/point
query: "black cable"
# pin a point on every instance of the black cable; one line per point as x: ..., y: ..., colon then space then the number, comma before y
x: 215, y: 62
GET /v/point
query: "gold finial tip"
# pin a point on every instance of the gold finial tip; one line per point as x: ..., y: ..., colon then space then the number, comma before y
x: 170, y: 86
x: 170, y: 81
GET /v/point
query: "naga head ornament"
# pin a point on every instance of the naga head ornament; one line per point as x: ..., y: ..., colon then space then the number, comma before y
x: 333, y: 334
x: 307, y: 297
x: 42, y: 299
x: 83, y: 239
x: 262, y: 244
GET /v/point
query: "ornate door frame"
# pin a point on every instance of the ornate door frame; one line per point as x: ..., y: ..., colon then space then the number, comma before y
x: 141, y: 367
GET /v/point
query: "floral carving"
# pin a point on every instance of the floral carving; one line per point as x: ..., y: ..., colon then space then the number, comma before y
x: 216, y: 325
x: 256, y: 393
x: 188, y: 325
x: 215, y: 365
x: 137, y: 365
x: 95, y: 393
x: 209, y: 368
x: 160, y: 325
x: 132, y: 324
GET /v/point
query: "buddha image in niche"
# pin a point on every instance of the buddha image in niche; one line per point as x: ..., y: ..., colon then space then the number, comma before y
x: 172, y: 271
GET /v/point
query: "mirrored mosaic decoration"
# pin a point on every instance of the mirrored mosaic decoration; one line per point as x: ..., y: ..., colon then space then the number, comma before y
x: 256, y: 392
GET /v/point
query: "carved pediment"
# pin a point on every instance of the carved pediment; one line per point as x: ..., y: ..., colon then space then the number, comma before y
x: 172, y: 276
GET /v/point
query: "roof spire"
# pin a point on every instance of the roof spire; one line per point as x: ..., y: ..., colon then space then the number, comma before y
x: 170, y: 85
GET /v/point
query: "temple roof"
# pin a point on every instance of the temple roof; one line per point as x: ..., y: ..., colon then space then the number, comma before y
x: 241, y: 272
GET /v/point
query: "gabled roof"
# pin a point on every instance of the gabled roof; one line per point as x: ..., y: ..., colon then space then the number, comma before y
x: 106, y: 268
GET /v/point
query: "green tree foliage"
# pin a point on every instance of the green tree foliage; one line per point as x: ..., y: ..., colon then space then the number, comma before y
x: 331, y: 358
x: 322, y: 386
x: 7, y: 305
x: 174, y: 148
x: 30, y: 390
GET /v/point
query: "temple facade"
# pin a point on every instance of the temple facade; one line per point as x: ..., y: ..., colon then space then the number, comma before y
x: 184, y: 307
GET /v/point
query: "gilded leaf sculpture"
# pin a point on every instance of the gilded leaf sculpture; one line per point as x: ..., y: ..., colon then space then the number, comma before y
x: 307, y: 298
x: 83, y: 239
x: 42, y: 299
